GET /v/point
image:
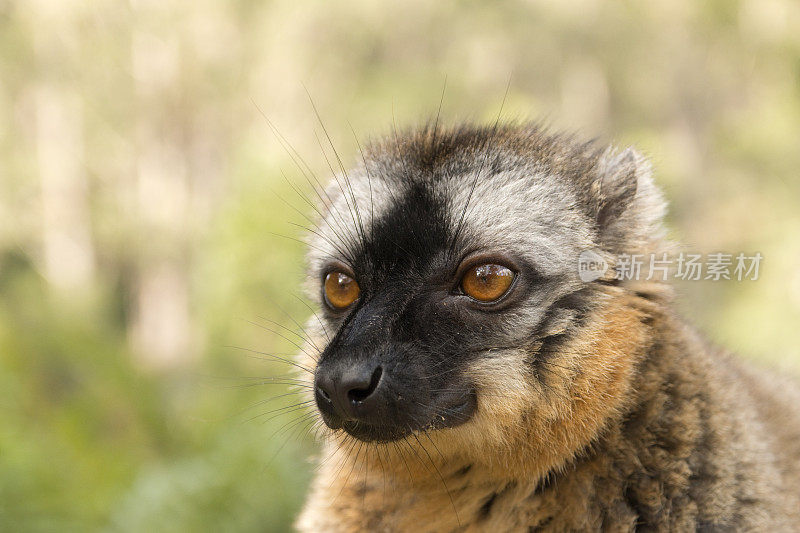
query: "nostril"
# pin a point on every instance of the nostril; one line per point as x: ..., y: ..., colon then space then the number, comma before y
x: 359, y: 394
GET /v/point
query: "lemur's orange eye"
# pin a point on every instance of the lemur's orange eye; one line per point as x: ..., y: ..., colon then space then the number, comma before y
x: 340, y: 290
x: 487, y: 283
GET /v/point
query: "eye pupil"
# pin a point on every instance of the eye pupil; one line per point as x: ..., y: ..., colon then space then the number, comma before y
x: 487, y: 283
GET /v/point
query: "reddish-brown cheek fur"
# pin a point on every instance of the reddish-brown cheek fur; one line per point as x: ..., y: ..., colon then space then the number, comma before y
x: 533, y: 421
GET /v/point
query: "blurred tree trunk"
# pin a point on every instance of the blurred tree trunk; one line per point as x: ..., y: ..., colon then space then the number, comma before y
x: 67, y: 248
x: 160, y: 329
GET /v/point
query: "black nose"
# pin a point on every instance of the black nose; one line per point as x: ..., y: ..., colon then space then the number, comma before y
x: 350, y: 392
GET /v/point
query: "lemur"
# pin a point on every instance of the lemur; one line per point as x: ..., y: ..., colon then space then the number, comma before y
x: 470, y: 380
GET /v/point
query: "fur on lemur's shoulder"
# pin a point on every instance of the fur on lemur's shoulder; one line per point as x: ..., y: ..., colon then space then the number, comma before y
x: 470, y: 380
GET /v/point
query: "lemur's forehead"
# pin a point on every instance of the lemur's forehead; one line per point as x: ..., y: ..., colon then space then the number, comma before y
x: 400, y: 208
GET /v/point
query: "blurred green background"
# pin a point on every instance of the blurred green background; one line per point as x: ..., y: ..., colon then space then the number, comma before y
x: 140, y: 198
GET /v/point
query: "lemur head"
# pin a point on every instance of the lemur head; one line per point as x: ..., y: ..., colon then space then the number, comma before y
x: 446, y: 266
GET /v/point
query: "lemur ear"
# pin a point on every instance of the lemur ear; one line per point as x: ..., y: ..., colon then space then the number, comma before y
x: 627, y: 205
x: 614, y: 187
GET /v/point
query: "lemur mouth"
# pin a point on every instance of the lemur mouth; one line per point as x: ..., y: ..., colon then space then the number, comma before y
x: 435, y: 418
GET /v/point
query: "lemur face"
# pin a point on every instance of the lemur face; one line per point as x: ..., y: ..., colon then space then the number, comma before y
x: 445, y: 265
